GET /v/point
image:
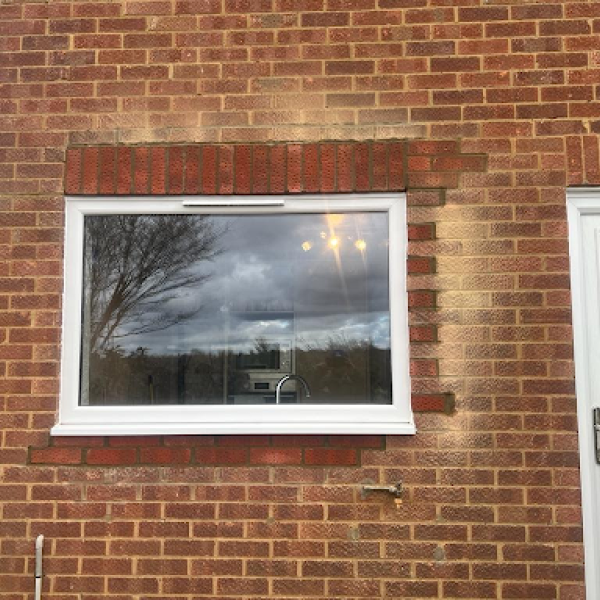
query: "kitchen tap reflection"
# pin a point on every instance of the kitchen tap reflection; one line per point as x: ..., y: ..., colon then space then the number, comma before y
x: 282, y: 381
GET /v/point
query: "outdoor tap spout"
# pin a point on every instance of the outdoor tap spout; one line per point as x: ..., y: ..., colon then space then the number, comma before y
x: 288, y: 378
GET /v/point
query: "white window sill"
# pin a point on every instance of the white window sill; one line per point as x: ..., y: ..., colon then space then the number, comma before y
x: 232, y: 429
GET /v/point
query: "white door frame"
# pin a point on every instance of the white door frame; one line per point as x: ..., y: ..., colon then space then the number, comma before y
x: 582, y: 202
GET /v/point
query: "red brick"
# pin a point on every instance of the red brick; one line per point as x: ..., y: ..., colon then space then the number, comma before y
x: 90, y: 171
x: 362, y: 167
x: 448, y: 113
x: 380, y: 167
x: 243, y: 169
x: 107, y: 169
x: 124, y: 174
x: 126, y: 24
x: 133, y: 440
x: 423, y: 333
x: 165, y: 455
x: 260, y: 172
x: 345, y: 167
x: 348, y: 67
x: 97, y: 9
x: 311, y: 163
x: 294, y: 169
x: 430, y: 48
x: 421, y: 299
x: 420, y: 265
x: 141, y: 170
x: 56, y: 456
x: 73, y: 172
x: 111, y: 456
x: 484, y: 14
x: 225, y: 170
x: 209, y: 170
x: 421, y: 231
x: 328, y: 181
x: 276, y: 456
x: 432, y: 403
x: 330, y: 456
x: 197, y: 7
x: 175, y: 177
x: 225, y: 456
x: 357, y: 441
x: 244, y: 440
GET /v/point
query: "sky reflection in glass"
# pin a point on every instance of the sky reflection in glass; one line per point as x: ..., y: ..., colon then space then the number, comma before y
x: 225, y: 306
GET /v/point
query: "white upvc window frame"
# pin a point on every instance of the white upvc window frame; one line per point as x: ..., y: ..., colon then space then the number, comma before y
x: 395, y: 418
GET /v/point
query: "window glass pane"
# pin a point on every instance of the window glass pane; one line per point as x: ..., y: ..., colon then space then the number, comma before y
x: 197, y: 309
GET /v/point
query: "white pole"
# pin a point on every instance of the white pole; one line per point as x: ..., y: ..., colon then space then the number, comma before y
x: 39, y: 545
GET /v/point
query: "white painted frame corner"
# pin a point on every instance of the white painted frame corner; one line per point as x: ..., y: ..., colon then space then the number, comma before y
x: 74, y: 419
x: 581, y: 202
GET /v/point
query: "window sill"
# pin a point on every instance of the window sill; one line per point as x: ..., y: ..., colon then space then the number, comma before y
x: 187, y: 420
x: 227, y: 429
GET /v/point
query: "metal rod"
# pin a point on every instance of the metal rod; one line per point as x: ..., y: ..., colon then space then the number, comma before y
x: 39, y: 546
x: 396, y: 490
x: 232, y: 201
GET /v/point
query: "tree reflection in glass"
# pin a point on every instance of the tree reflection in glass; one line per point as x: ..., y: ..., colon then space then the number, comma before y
x: 215, y: 309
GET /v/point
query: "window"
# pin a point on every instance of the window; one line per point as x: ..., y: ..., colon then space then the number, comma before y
x: 237, y: 314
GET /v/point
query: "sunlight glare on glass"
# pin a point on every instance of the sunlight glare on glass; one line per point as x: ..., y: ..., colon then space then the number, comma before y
x: 335, y: 220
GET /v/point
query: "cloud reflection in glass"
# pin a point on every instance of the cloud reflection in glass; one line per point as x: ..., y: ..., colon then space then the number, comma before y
x: 269, y: 296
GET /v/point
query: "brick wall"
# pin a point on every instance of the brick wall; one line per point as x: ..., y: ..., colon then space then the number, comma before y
x: 494, y: 109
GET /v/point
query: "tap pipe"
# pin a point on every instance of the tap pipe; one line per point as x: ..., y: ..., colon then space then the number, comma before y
x: 39, y: 545
x: 293, y: 378
x: 396, y: 490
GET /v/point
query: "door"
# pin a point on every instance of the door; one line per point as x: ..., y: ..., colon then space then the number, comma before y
x: 584, y: 242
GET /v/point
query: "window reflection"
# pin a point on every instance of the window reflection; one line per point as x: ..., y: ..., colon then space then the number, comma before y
x: 196, y: 309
